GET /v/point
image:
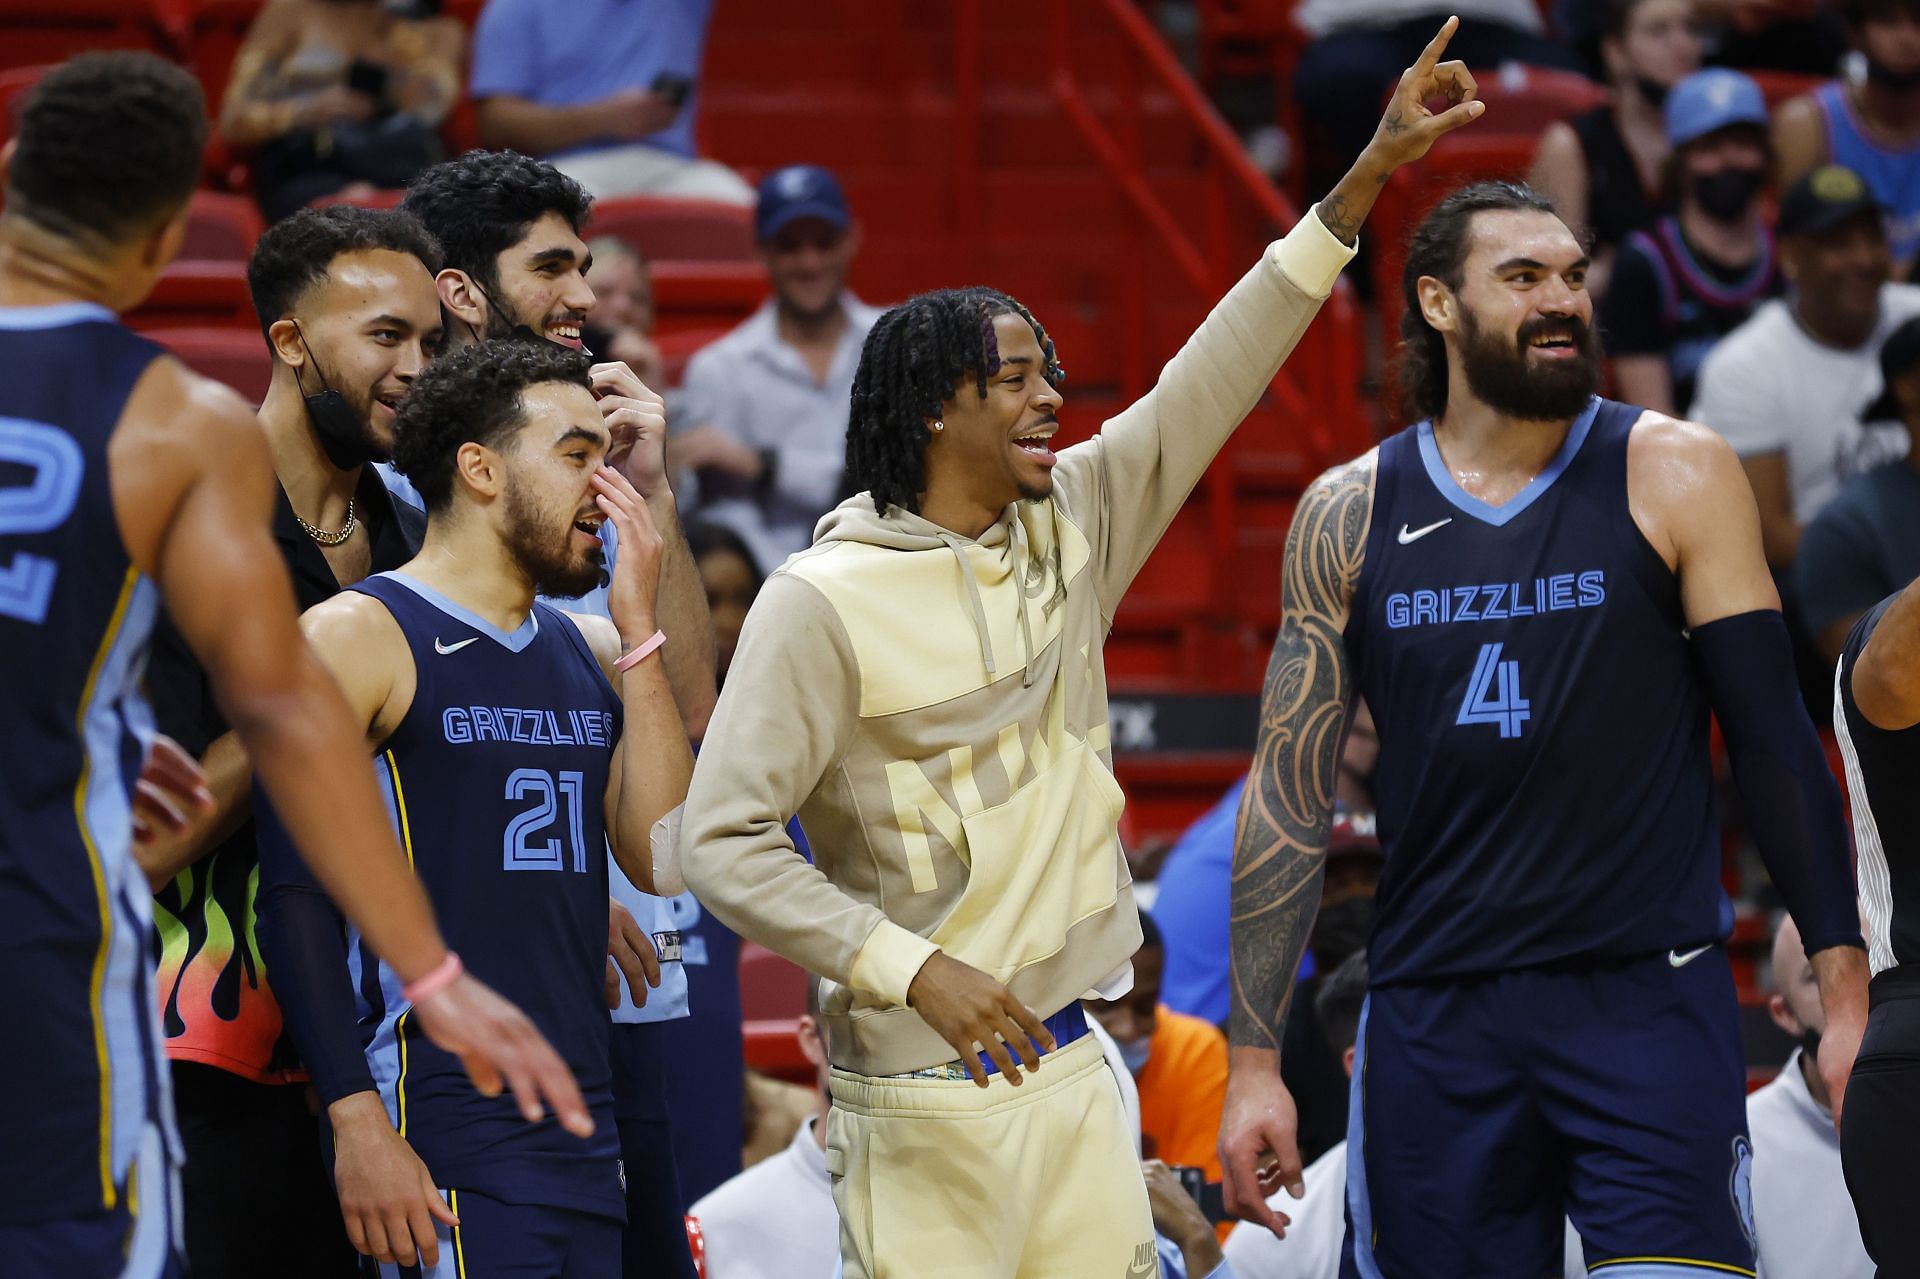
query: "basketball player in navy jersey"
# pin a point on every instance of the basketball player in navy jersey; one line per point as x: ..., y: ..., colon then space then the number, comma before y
x: 511, y: 764
x: 1876, y: 713
x: 1541, y: 595
x: 129, y: 480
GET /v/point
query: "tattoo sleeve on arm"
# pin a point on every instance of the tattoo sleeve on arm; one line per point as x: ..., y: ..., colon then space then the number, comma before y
x: 1287, y: 812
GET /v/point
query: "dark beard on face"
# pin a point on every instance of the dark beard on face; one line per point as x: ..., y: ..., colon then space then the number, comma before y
x: 1500, y: 373
x: 548, y: 560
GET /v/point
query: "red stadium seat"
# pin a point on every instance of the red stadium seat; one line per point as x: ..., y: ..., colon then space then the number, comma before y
x: 197, y: 294
x: 14, y: 84
x: 237, y: 357
x: 706, y: 295
x: 663, y: 228
x: 773, y: 994
x: 1524, y: 99
x: 680, y: 346
x: 381, y: 198
x: 1778, y: 86
x: 47, y: 31
x: 220, y: 228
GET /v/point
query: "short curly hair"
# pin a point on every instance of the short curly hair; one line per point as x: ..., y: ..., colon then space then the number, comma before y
x: 297, y: 251
x: 473, y: 395
x: 480, y: 205
x: 110, y: 145
x: 915, y: 358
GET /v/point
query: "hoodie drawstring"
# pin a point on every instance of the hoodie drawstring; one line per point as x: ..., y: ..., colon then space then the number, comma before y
x: 954, y: 544
x: 1020, y: 561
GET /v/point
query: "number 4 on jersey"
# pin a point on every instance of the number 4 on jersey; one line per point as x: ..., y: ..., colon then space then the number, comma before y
x: 1493, y: 694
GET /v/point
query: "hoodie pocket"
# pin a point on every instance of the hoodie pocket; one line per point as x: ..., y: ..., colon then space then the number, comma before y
x: 1041, y: 862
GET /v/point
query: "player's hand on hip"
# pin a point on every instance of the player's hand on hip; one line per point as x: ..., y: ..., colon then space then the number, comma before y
x: 636, y: 569
x: 630, y: 952
x: 636, y: 415
x: 976, y: 1014
x: 1409, y: 127
x: 1259, y: 1145
x: 387, y: 1197
x: 500, y: 1048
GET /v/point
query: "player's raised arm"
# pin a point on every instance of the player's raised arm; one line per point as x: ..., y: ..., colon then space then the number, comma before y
x: 1286, y: 814
x: 1152, y: 454
x: 198, y: 451
x: 1689, y: 492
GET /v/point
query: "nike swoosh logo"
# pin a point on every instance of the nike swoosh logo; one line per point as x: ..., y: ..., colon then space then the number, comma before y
x: 1680, y: 960
x: 1415, y: 535
x: 444, y: 649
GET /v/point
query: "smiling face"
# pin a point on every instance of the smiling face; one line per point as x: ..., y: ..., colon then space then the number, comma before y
x: 543, y: 281
x: 552, y: 521
x: 1520, y: 326
x: 370, y: 324
x: 1838, y: 274
x: 994, y: 451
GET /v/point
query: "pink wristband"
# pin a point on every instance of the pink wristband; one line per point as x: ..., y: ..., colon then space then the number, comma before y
x: 641, y: 651
x: 441, y: 976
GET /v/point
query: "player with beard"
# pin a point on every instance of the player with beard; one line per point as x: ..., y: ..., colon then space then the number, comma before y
x: 1541, y: 595
x: 516, y: 266
x: 350, y: 316
x: 504, y: 747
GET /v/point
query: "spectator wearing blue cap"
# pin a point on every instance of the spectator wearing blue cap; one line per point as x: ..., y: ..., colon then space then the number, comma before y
x: 604, y: 90
x: 1696, y: 274
x: 770, y: 399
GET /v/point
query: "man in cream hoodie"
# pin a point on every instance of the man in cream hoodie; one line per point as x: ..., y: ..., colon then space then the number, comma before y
x: 924, y: 688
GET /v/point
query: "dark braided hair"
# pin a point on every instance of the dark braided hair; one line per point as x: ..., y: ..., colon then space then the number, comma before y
x: 915, y: 358
x: 1439, y: 248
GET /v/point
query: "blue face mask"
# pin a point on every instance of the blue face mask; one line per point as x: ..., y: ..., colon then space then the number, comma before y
x: 1133, y: 1053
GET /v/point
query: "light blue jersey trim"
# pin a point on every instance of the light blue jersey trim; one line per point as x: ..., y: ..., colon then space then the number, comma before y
x: 1663, y: 1269
x: 116, y: 711
x: 1499, y: 515
x: 58, y: 316
x: 514, y: 641
x: 383, y: 1051
x: 1359, y: 1204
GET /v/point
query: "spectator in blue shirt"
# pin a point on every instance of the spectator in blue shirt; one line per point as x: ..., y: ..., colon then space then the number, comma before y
x: 606, y: 90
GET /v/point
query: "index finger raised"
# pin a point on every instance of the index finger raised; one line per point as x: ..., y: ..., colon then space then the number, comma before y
x: 1430, y: 56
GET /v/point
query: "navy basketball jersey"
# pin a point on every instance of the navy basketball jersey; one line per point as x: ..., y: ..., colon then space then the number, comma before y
x: 1544, y: 787
x: 497, y: 779
x: 80, y: 1074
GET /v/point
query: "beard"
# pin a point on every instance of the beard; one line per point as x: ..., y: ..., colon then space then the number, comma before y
x: 1509, y: 381
x: 547, y: 557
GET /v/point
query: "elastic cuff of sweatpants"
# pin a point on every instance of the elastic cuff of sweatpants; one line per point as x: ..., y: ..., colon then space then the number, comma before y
x: 889, y: 960
x: 1311, y: 255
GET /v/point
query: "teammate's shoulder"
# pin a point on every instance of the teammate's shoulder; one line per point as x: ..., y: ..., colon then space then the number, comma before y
x: 351, y: 617
x: 187, y: 406
x: 601, y: 635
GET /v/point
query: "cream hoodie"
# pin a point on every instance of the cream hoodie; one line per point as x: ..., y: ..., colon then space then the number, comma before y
x: 934, y: 708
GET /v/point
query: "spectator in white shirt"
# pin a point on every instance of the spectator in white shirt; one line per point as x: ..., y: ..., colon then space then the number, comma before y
x: 1786, y: 388
x: 1318, y: 1219
x: 1802, y: 1214
x: 776, y: 1220
x: 770, y: 400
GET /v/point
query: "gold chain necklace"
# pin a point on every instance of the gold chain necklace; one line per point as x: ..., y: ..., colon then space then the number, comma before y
x: 325, y: 538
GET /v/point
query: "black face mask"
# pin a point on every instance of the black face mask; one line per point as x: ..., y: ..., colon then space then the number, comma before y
x: 1884, y: 77
x: 342, y: 435
x: 1727, y: 195
x: 1653, y: 91
x: 1810, y: 1045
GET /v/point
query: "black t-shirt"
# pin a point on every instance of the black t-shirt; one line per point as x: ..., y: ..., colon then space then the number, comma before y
x: 1667, y: 298
x: 216, y: 1007
x: 1617, y: 200
x: 1862, y: 547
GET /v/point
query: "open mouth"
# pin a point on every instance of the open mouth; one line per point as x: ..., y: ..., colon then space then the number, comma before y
x: 589, y: 524
x: 1555, y: 345
x: 391, y: 403
x: 567, y: 334
x: 1035, y: 444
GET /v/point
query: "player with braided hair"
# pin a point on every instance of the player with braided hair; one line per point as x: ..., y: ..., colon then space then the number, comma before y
x: 924, y: 688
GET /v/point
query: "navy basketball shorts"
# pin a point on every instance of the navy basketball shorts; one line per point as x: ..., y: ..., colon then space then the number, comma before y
x: 138, y: 1238
x: 497, y: 1240
x: 1880, y: 1144
x: 1613, y: 1094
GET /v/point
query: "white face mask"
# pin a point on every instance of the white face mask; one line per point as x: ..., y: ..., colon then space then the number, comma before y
x: 1133, y: 1053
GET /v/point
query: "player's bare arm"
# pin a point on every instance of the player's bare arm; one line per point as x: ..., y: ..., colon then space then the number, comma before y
x: 1886, y: 675
x: 1690, y: 496
x: 636, y: 417
x: 650, y: 780
x: 192, y: 493
x: 1286, y: 815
